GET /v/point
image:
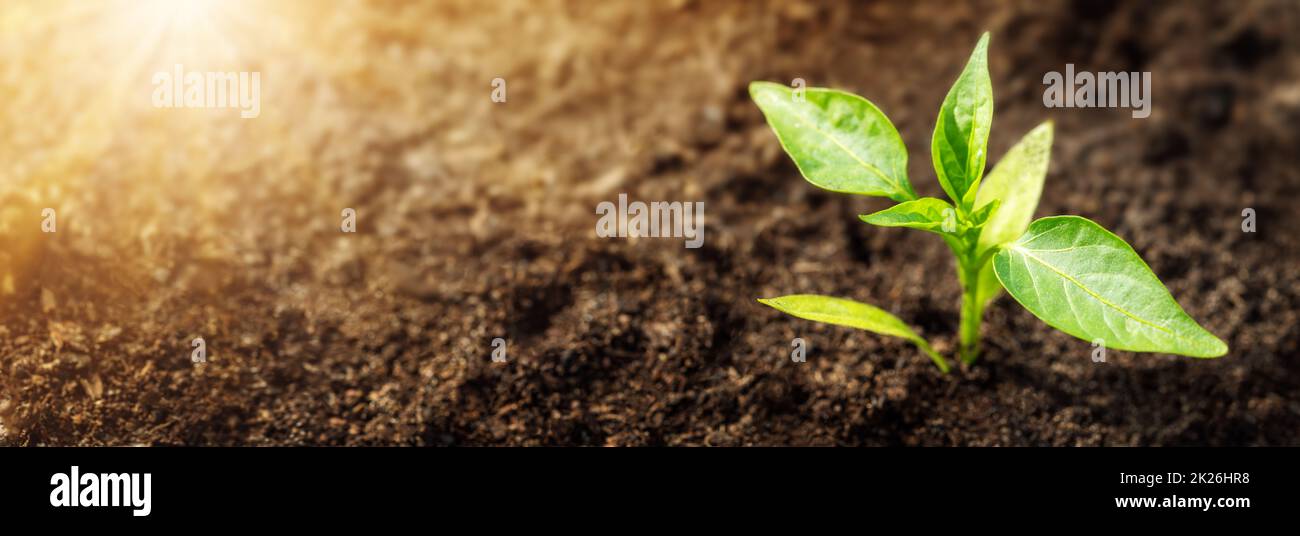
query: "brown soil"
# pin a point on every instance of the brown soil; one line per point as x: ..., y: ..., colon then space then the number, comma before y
x: 476, y: 221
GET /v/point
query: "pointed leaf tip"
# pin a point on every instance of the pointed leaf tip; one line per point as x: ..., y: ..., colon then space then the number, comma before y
x: 839, y: 141
x: 849, y: 313
x: 961, y: 133
x: 1083, y: 280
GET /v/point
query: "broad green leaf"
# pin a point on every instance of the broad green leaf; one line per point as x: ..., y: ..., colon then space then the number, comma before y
x: 840, y: 141
x: 842, y: 312
x: 961, y: 134
x: 926, y: 213
x: 1085, y: 281
x: 1017, y: 180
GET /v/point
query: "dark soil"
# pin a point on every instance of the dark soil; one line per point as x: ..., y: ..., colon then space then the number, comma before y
x: 476, y: 222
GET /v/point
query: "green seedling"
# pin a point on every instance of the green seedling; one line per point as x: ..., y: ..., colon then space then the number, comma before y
x: 1068, y: 271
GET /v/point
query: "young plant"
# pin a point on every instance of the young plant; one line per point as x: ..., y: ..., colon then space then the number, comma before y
x: 1068, y: 271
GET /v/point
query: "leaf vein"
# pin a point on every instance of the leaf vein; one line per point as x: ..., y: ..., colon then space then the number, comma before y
x: 1095, y: 296
x: 851, y: 154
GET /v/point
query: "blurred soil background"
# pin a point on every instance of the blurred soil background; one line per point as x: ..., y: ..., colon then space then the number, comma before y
x: 476, y: 221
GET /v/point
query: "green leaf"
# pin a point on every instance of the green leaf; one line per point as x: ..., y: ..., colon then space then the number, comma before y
x: 926, y: 213
x: 961, y: 134
x: 987, y: 287
x: 980, y: 217
x: 842, y: 312
x: 1083, y: 280
x: 840, y: 141
x: 1017, y: 181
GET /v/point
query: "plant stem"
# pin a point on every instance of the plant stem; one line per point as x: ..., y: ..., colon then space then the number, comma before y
x: 969, y: 264
x: 972, y: 312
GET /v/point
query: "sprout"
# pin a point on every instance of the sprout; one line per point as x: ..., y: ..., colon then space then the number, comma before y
x: 1066, y: 270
